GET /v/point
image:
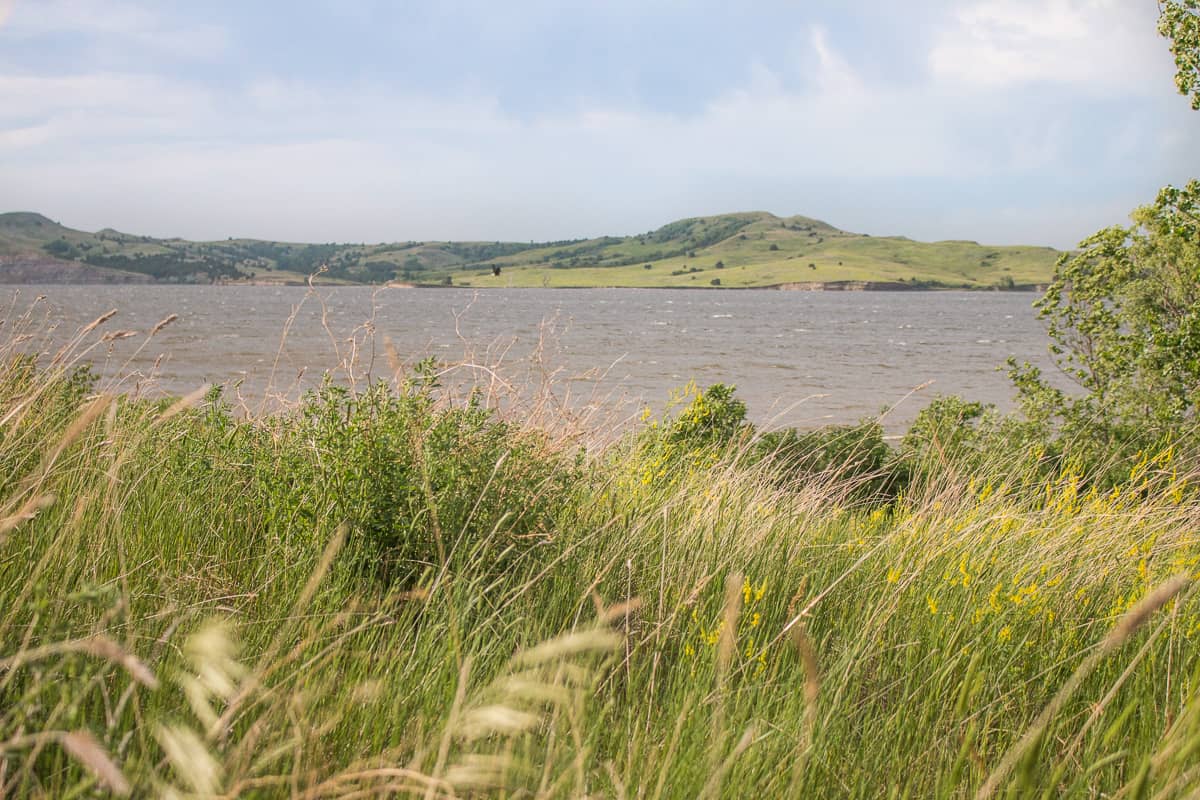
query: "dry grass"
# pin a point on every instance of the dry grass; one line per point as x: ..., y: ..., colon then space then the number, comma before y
x: 709, y: 633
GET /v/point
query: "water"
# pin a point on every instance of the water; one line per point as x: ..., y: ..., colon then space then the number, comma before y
x: 797, y: 358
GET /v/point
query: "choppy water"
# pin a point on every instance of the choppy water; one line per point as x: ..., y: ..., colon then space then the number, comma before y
x: 797, y: 358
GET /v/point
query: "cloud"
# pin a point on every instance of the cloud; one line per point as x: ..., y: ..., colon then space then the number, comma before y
x: 943, y: 153
x: 119, y: 24
x: 1091, y: 43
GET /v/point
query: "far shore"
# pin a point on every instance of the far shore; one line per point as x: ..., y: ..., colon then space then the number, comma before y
x: 814, y: 286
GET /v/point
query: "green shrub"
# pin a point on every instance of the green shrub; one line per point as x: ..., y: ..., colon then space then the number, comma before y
x: 854, y: 458
x: 409, y: 478
x: 714, y: 417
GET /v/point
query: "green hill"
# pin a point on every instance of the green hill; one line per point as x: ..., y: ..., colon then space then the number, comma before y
x: 749, y: 249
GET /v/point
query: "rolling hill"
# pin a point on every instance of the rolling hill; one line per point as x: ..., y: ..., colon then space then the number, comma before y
x: 744, y: 250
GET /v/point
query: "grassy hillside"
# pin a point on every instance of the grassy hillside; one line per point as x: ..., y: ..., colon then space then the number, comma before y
x: 753, y: 249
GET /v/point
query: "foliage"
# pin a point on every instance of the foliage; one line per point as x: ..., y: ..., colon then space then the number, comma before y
x: 485, y: 251
x: 61, y: 248
x: 180, y: 619
x: 1123, y: 315
x: 168, y: 266
x: 947, y: 428
x: 698, y: 232
x: 854, y: 458
x: 405, y: 475
x: 1179, y: 21
x: 735, y: 241
x: 714, y: 417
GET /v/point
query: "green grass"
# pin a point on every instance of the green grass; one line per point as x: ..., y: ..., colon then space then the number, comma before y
x: 387, y: 593
x: 807, y: 251
x: 681, y: 254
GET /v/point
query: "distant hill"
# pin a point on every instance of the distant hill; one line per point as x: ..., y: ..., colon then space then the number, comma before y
x: 748, y: 249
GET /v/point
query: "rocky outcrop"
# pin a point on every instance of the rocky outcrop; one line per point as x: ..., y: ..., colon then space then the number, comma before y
x: 43, y: 269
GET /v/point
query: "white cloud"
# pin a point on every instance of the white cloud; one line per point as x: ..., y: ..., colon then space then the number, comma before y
x: 115, y: 23
x: 1102, y: 43
x: 311, y: 161
x: 834, y: 74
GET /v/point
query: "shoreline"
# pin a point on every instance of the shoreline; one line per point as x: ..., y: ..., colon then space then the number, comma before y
x: 811, y: 286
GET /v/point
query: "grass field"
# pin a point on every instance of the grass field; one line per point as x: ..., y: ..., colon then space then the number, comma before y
x: 753, y: 249
x: 382, y: 593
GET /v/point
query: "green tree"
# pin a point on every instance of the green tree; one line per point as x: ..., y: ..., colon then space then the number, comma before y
x: 1179, y: 21
x: 1123, y: 313
x: 59, y: 247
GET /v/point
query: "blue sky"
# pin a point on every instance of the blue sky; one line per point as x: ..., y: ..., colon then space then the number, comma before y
x: 1032, y: 121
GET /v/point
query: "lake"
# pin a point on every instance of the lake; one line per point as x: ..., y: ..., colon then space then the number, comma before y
x: 797, y: 358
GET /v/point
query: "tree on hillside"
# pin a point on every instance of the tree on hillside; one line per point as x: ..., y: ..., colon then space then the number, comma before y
x: 59, y: 247
x: 1123, y: 313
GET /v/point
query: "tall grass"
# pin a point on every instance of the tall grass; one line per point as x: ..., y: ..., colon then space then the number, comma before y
x: 384, y: 592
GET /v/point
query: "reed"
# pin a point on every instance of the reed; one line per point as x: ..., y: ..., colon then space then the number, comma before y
x: 197, y: 603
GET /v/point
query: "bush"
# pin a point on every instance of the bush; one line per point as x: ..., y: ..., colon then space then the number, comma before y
x: 60, y: 247
x: 407, y: 476
x: 853, y: 458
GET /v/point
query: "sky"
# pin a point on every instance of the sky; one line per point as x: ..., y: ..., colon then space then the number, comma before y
x: 1001, y: 121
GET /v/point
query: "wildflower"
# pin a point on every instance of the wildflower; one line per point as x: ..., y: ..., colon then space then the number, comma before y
x: 893, y: 575
x: 755, y: 618
x: 994, y: 598
x: 1005, y: 633
x: 933, y: 606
